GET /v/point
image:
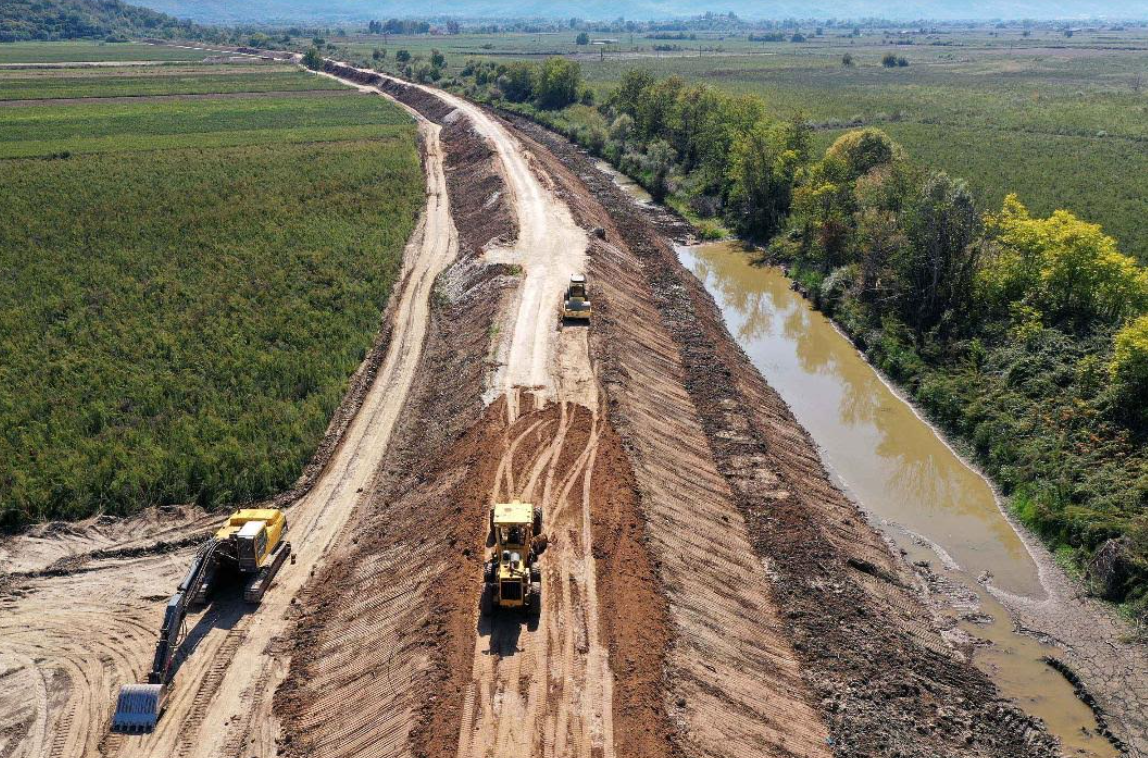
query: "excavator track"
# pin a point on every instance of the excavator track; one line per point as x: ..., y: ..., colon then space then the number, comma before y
x: 262, y: 581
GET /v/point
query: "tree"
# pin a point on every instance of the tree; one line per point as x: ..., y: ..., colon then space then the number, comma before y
x: 902, y: 62
x: 559, y: 83
x: 582, y: 39
x: 1067, y: 268
x: 763, y: 164
x: 437, y: 59
x: 517, y: 83
x: 889, y: 60
x: 847, y: 60
x: 379, y: 54
x: 860, y: 151
x: 312, y: 59
x: 622, y: 128
x: 659, y: 160
x: 453, y: 27
x: 937, y: 269
x: 403, y: 56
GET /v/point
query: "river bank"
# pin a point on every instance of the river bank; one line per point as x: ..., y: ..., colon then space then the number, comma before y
x: 995, y: 588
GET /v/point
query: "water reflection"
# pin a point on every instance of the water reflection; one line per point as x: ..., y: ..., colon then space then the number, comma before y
x: 891, y: 461
x: 898, y: 469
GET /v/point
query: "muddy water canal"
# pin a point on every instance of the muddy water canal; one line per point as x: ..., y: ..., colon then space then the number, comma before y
x: 910, y: 483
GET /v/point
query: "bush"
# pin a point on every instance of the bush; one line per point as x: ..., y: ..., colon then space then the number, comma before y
x: 582, y: 39
x: 1129, y: 367
x: 889, y: 60
x: 517, y: 83
x: 559, y: 83
x: 403, y: 56
x: 312, y: 59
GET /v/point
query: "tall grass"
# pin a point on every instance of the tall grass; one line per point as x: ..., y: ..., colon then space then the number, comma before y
x: 178, y: 324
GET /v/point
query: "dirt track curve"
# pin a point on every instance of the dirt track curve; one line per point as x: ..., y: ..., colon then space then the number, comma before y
x: 707, y: 590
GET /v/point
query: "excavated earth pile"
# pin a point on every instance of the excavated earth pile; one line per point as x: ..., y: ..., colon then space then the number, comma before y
x: 884, y: 680
x: 379, y: 629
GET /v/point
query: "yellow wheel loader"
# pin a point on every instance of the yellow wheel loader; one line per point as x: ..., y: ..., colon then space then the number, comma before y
x: 576, y: 305
x: 250, y: 547
x: 512, y: 578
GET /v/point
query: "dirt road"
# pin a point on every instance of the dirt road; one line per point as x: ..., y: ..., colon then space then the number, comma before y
x: 544, y: 687
x: 707, y: 591
x: 72, y: 641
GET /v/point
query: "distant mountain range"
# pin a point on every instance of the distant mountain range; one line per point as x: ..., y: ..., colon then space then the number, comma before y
x: 642, y: 10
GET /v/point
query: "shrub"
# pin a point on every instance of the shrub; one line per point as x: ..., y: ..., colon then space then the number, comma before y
x: 312, y: 59
x: 582, y: 39
x: 889, y: 60
x: 517, y: 83
x: 559, y: 83
x: 1129, y: 367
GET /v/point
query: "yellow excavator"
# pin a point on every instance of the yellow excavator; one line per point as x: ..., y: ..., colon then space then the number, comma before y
x: 249, y: 547
x: 512, y: 578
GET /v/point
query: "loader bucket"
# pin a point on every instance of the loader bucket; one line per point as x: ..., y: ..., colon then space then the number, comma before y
x: 138, y: 707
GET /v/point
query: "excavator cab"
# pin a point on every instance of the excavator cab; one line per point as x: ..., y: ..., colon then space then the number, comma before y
x: 512, y: 578
x: 251, y: 544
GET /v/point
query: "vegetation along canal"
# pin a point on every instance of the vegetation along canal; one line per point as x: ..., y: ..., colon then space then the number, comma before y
x: 912, y: 485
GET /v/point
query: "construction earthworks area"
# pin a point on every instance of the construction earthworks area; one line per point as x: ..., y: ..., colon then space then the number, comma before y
x: 708, y: 591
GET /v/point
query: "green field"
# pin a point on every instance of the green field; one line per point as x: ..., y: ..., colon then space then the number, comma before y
x: 95, y: 127
x: 84, y: 51
x: 189, y: 285
x: 161, y: 80
x: 1061, y: 121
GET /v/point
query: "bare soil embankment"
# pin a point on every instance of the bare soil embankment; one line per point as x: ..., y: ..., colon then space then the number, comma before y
x: 387, y: 616
x: 883, y: 679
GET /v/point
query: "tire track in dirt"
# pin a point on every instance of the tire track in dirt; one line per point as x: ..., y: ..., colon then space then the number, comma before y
x: 319, y: 519
x: 230, y: 663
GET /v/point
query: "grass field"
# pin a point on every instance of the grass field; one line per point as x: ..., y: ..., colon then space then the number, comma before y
x: 95, y: 127
x: 1061, y: 121
x: 188, y: 291
x: 161, y: 80
x: 82, y: 51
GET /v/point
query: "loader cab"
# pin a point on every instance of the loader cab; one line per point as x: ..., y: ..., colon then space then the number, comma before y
x: 250, y: 536
x: 511, y: 577
x: 576, y: 304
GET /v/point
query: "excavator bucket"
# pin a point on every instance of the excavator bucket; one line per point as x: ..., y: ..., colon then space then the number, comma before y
x: 138, y: 707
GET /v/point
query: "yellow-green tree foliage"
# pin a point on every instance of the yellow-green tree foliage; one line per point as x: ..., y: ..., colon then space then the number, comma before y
x: 1129, y: 367
x: 861, y: 151
x: 1065, y: 267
